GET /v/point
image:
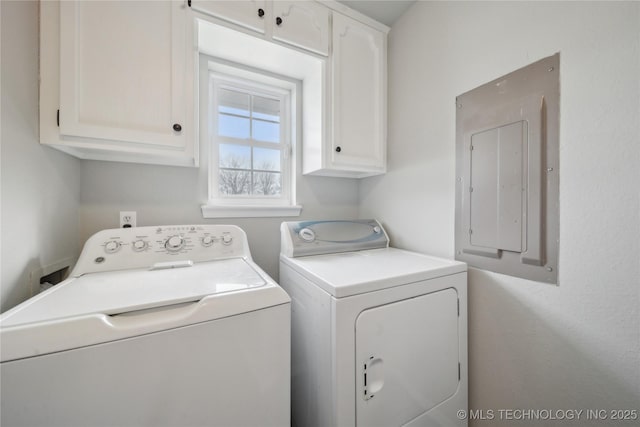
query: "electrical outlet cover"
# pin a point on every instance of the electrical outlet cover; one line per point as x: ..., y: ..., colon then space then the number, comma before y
x: 127, y: 219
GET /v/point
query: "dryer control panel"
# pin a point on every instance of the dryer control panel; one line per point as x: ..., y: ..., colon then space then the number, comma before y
x: 157, y: 247
x: 303, y: 238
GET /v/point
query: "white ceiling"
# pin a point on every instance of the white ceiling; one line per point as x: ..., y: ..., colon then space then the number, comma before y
x: 385, y: 11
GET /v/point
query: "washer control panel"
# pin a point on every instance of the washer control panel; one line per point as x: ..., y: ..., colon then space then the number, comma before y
x: 144, y: 247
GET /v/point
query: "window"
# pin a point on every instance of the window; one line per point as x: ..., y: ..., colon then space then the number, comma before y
x: 250, y: 131
x: 250, y: 135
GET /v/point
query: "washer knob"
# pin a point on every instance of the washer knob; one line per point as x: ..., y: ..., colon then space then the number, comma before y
x: 139, y: 245
x: 207, y: 241
x: 174, y: 243
x: 112, y: 247
x: 307, y: 235
x: 227, y: 239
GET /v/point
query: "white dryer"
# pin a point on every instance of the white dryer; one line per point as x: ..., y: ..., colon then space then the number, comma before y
x: 379, y: 335
x: 157, y: 326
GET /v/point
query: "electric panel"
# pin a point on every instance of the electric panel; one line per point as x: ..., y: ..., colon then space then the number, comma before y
x: 507, y: 173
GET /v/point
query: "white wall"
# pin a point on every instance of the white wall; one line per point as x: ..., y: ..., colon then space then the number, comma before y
x: 532, y: 345
x: 173, y: 195
x: 40, y: 186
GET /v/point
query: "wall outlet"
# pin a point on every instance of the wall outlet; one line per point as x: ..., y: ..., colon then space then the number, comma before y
x: 127, y: 219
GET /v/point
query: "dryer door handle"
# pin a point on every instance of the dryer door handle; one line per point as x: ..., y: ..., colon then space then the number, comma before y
x: 373, y: 377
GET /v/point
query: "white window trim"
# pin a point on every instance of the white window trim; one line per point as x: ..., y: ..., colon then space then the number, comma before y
x: 248, y: 207
x: 249, y: 211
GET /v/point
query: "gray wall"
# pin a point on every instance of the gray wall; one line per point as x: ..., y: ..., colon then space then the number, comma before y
x: 40, y: 186
x: 532, y: 345
x: 173, y: 195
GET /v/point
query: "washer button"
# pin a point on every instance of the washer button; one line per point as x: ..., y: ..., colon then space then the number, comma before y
x: 112, y: 246
x: 307, y: 235
x: 139, y: 245
x: 174, y: 243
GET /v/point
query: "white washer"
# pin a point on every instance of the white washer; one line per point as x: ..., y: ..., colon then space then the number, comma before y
x: 379, y: 335
x: 157, y: 326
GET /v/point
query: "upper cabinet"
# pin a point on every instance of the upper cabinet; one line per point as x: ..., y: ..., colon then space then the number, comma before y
x: 358, y: 96
x: 118, y: 78
x: 304, y: 24
x: 251, y: 14
x: 124, y: 70
x: 357, y: 86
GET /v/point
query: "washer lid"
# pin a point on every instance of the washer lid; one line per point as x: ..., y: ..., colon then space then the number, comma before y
x: 102, y: 307
x: 351, y: 273
x: 118, y: 292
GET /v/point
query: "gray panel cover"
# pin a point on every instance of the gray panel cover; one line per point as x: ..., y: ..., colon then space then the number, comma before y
x: 507, y: 173
x: 496, y: 181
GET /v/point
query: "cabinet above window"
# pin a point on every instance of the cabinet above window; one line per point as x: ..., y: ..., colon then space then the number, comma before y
x: 249, y: 14
x: 304, y: 24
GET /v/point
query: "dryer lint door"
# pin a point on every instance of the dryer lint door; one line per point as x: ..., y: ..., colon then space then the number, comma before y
x: 406, y: 358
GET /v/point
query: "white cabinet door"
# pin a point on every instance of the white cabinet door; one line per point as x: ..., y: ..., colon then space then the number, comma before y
x: 359, y: 96
x: 303, y: 24
x: 123, y: 73
x: 247, y: 13
x: 407, y: 358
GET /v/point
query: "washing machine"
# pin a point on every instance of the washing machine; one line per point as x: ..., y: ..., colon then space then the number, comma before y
x: 156, y: 326
x: 379, y: 334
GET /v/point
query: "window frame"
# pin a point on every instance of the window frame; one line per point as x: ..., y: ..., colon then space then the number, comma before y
x: 262, y: 84
x: 219, y: 81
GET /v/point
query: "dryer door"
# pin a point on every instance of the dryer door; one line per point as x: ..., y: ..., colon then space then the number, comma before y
x: 406, y: 358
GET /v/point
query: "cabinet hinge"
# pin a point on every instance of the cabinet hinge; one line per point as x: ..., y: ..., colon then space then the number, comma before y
x: 58, y: 117
x: 189, y: 3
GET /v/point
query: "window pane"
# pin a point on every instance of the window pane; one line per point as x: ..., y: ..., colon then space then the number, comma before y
x: 248, y: 140
x: 266, y: 108
x: 266, y: 159
x: 233, y: 181
x: 230, y: 101
x: 266, y: 131
x: 235, y: 127
x: 234, y: 156
x: 267, y: 184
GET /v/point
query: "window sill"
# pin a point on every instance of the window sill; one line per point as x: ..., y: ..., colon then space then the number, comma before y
x: 249, y: 211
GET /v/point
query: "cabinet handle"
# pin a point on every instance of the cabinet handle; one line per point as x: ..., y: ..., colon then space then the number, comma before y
x: 338, y: 149
x: 260, y: 13
x: 177, y: 127
x: 278, y: 21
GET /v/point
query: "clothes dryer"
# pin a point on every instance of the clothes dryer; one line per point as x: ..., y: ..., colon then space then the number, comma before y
x: 379, y: 334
